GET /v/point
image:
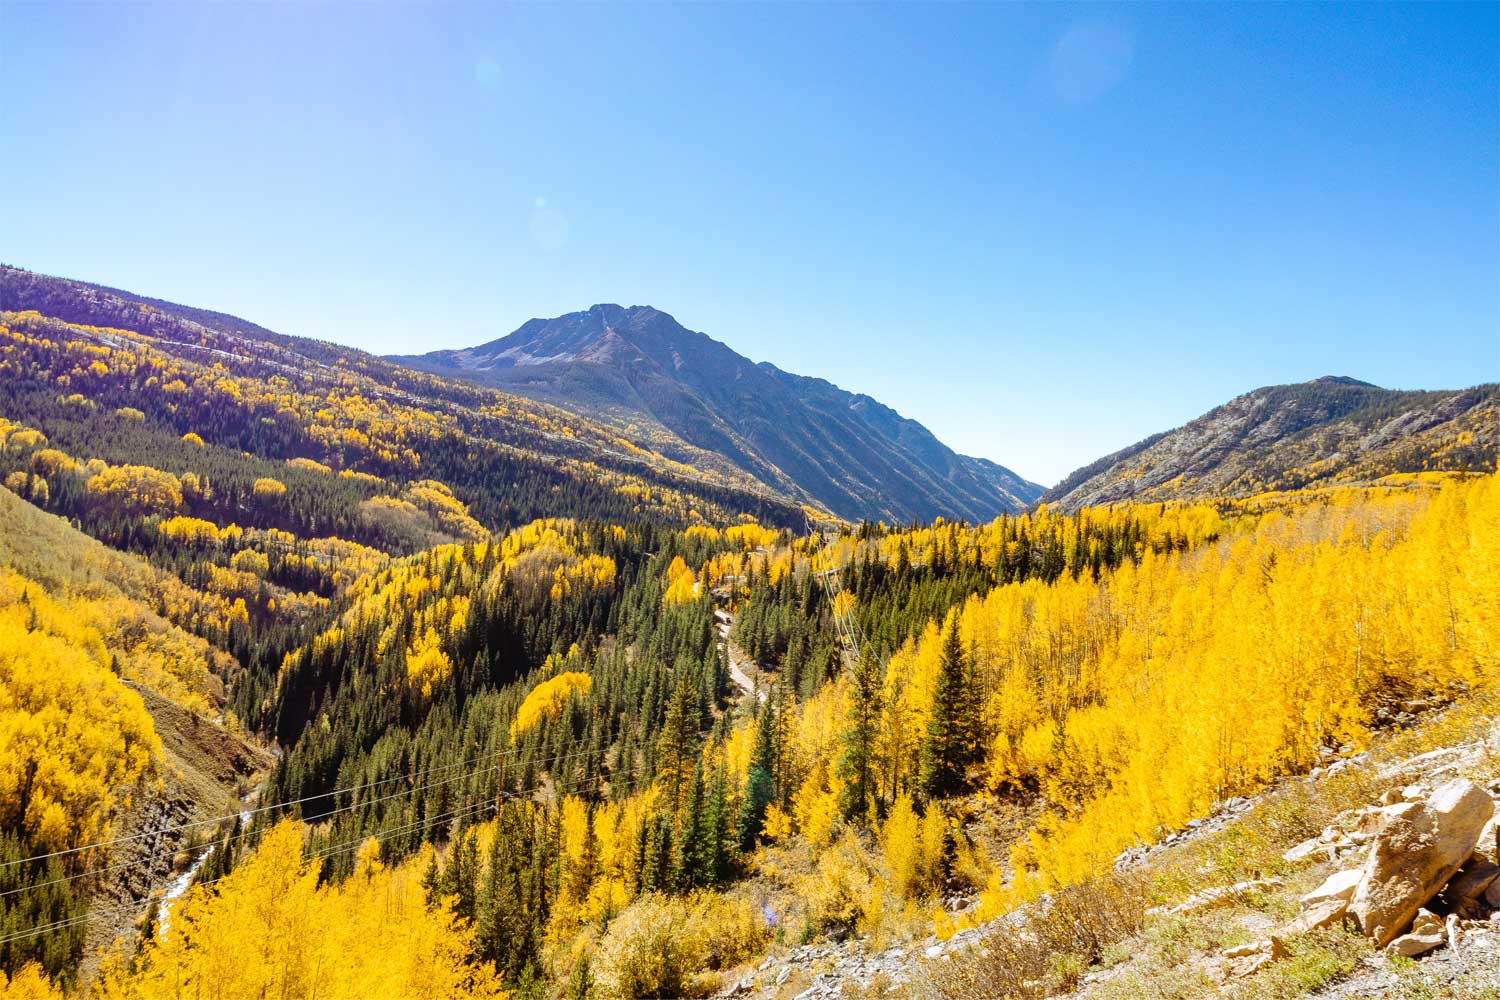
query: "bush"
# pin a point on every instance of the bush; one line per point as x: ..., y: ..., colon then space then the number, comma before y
x: 672, y: 945
x: 1042, y: 949
x: 844, y: 890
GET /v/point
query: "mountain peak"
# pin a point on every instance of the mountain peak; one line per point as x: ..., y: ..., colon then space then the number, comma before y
x: 683, y: 390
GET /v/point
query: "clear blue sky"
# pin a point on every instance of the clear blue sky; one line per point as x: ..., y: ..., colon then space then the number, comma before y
x: 1044, y: 231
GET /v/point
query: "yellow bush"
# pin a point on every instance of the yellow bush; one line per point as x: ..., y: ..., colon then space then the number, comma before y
x: 845, y: 889
x: 670, y: 946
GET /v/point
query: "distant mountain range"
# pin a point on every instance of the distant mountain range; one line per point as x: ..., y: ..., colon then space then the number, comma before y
x: 597, y: 402
x: 691, y: 397
x: 1331, y: 430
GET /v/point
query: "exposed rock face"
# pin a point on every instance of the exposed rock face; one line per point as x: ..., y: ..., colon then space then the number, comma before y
x: 1469, y: 885
x: 1322, y: 914
x: 1420, y: 848
x: 1222, y: 895
x: 702, y: 403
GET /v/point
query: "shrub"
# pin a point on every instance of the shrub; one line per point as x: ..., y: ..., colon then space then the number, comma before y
x: 845, y: 888
x: 671, y: 945
x: 1042, y: 949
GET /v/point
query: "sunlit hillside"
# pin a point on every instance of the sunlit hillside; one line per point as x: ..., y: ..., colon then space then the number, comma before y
x: 625, y: 751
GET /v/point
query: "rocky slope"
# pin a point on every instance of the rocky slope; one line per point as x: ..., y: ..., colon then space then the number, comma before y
x: 1285, y: 437
x: 1396, y: 893
x: 681, y: 390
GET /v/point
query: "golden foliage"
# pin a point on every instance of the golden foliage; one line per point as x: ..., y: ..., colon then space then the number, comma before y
x: 269, y: 930
x: 311, y: 465
x: 426, y: 663
x: 29, y: 983
x: 671, y: 945
x: 137, y: 489
x: 548, y: 699
x: 682, y: 584
x: 76, y: 739
x: 112, y: 594
x: 1136, y: 702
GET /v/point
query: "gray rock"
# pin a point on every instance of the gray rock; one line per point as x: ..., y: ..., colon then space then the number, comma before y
x: 1421, y: 847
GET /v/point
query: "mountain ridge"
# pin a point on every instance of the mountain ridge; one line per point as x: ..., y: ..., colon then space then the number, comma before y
x: 582, y: 452
x: 1324, y: 431
x: 800, y: 434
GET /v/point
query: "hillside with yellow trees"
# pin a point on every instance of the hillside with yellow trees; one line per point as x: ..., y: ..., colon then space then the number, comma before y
x: 319, y: 677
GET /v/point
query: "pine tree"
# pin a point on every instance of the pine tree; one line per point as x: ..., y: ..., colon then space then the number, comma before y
x: 856, y: 766
x: 674, y: 748
x: 760, y: 781
x: 690, y: 862
x: 718, y: 827
x: 949, y: 749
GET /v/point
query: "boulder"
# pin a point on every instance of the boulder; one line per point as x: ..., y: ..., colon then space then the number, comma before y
x: 1339, y: 885
x: 1272, y: 946
x: 1246, y: 950
x: 1321, y: 914
x: 1374, y: 819
x: 1248, y: 965
x: 1471, y: 882
x: 1427, y: 933
x: 1415, y: 854
x: 1308, y: 849
x: 1489, y: 844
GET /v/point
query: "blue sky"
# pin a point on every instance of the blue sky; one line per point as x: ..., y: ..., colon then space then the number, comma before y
x: 1044, y: 231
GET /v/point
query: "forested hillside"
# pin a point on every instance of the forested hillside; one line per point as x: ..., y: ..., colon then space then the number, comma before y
x: 277, y: 398
x: 692, y: 397
x: 321, y: 677
x: 1289, y: 437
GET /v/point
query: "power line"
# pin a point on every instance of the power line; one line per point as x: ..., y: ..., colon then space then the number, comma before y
x: 324, y: 853
x: 328, y: 852
x: 307, y: 819
x: 293, y: 802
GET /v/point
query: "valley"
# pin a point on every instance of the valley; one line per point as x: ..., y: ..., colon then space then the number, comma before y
x: 560, y: 668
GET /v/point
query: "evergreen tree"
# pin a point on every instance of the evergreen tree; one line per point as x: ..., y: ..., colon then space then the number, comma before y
x: 675, y: 746
x: 760, y: 781
x: 949, y: 747
x: 856, y: 766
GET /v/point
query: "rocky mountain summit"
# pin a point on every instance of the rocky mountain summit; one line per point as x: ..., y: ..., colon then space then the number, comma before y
x: 690, y: 396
